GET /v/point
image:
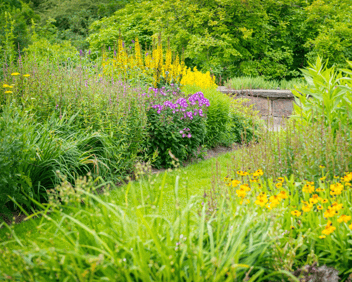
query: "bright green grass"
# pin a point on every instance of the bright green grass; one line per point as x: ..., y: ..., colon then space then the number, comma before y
x: 247, y: 82
x: 195, y: 179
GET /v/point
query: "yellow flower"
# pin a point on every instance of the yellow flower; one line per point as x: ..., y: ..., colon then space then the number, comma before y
x: 337, y: 206
x: 26, y: 75
x: 328, y: 228
x: 7, y: 92
x: 344, y: 218
x: 281, y: 179
x: 329, y: 213
x: 319, y: 208
x: 292, y: 227
x: 259, y: 172
x: 245, y: 187
x: 308, y: 188
x: 283, y: 195
x: 350, y: 226
x: 15, y: 73
x: 322, y: 178
x: 319, y: 189
x: 324, y: 201
x: 307, y: 207
x: 322, y: 236
x: 5, y: 85
x: 322, y: 166
x: 278, y: 185
x: 296, y: 213
x: 275, y: 198
x: 241, y: 193
x: 314, y: 199
x: 261, y: 201
x: 235, y: 182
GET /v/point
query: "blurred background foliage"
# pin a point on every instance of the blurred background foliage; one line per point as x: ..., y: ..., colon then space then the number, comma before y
x: 269, y: 38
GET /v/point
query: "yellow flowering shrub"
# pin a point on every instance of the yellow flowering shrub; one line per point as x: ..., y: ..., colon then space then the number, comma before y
x: 155, y: 66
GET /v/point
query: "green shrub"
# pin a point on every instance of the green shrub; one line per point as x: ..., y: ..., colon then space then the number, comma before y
x: 228, y: 120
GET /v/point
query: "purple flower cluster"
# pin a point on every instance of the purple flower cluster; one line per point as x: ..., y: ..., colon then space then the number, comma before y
x: 182, y: 104
x: 184, y: 133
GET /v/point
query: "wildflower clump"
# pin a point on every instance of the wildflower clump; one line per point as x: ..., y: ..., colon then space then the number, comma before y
x: 298, y: 204
x: 176, y: 124
x: 156, y: 66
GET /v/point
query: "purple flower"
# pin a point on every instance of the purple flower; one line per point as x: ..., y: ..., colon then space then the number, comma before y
x: 81, y: 53
x: 89, y: 52
x: 181, y: 131
x: 132, y: 41
x: 115, y: 53
x: 189, y: 135
x: 109, y: 48
x: 183, y: 135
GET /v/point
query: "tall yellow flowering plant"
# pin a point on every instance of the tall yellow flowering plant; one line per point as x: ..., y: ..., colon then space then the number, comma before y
x: 156, y: 66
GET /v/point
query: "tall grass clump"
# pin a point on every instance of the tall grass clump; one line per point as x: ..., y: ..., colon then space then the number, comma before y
x: 299, y: 151
x: 86, y: 238
x: 248, y: 82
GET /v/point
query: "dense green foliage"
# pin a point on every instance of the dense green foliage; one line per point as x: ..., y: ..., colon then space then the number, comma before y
x: 232, y: 38
x: 99, y: 240
x: 327, y: 97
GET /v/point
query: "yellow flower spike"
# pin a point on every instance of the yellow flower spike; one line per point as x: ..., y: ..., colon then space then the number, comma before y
x: 8, y: 92
x: 5, y: 85
x: 26, y: 75
x: 15, y: 73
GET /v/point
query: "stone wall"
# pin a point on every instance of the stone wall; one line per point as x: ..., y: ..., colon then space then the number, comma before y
x: 270, y: 103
